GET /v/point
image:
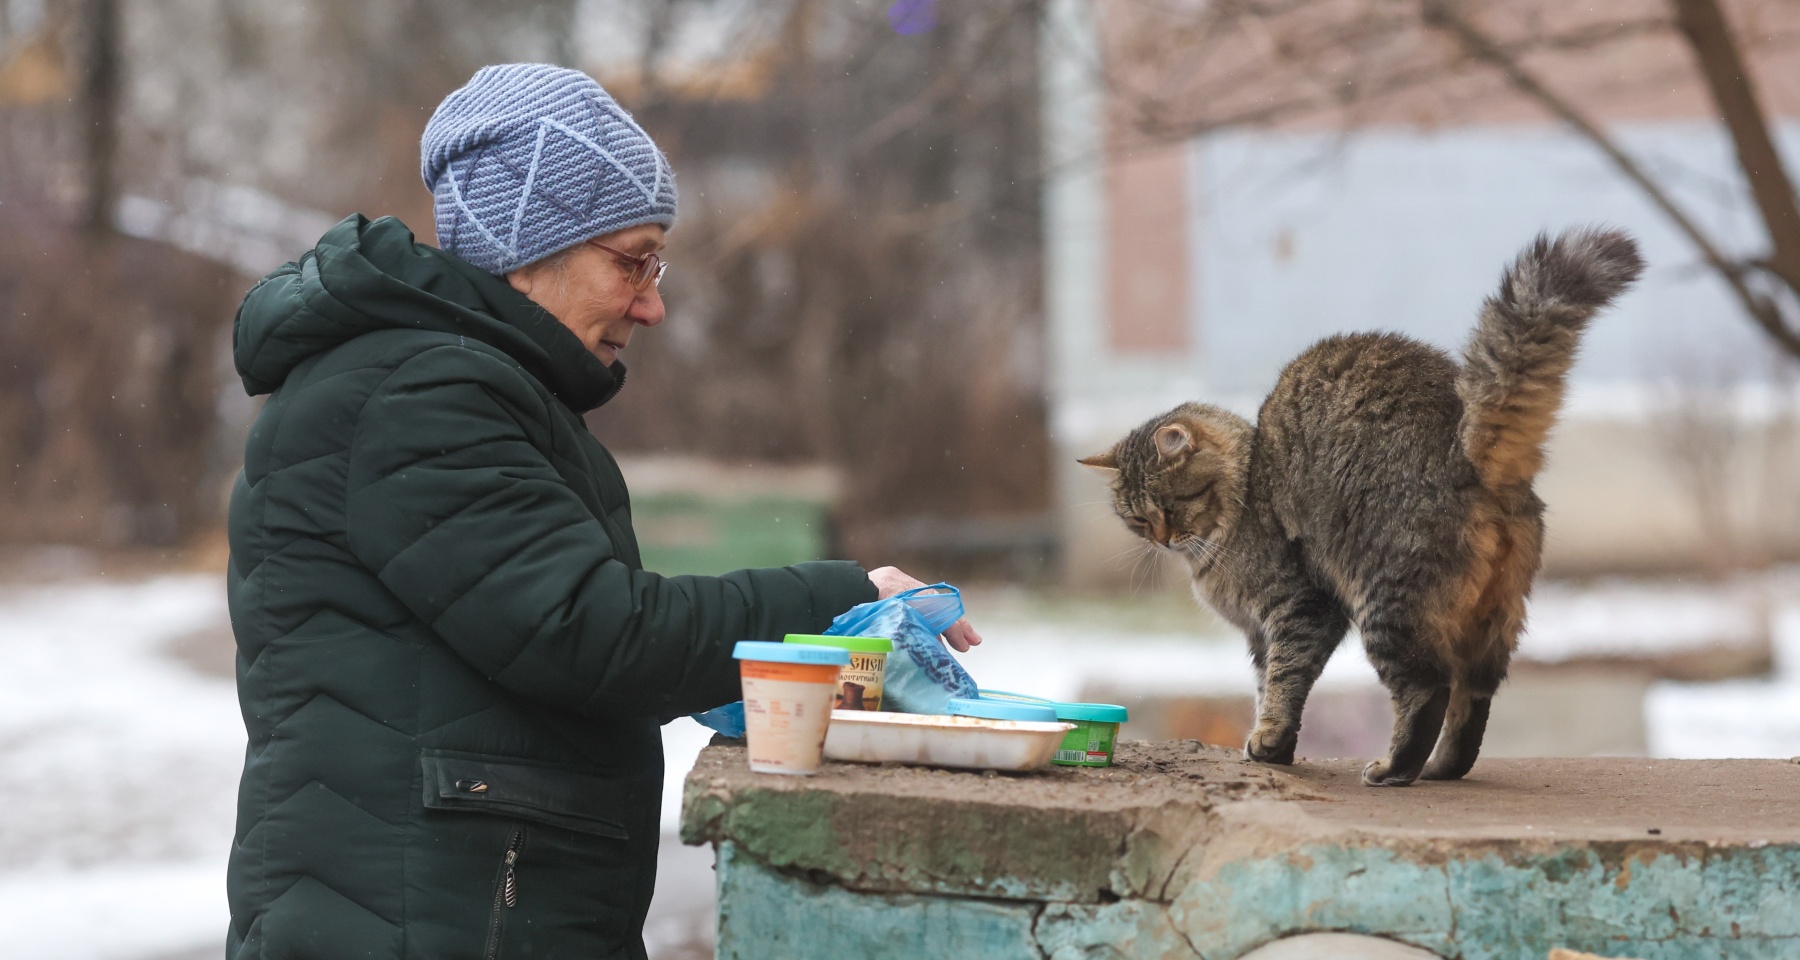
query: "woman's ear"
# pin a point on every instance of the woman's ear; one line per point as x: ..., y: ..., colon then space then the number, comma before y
x: 520, y: 280
x: 1173, y: 440
x: 1105, y: 461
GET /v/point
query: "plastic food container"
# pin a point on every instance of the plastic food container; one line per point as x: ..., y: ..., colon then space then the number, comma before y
x: 1090, y: 744
x: 1015, y: 697
x: 969, y: 743
x: 859, y: 688
x: 788, y: 689
x: 1001, y: 709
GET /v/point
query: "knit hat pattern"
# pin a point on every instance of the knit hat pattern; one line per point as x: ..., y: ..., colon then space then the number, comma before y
x: 527, y: 159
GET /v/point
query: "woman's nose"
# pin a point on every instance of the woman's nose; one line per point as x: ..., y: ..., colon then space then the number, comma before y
x: 647, y: 309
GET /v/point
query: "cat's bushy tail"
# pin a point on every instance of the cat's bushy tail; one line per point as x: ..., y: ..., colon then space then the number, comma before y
x: 1517, y: 359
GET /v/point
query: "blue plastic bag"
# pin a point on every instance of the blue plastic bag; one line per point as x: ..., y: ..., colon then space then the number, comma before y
x: 922, y: 676
x: 728, y: 719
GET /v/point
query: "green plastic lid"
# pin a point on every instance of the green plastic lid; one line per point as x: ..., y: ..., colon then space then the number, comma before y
x: 858, y: 644
x: 1098, y: 712
x: 782, y: 653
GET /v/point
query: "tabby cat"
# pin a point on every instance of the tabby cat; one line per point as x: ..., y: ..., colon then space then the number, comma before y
x: 1387, y: 486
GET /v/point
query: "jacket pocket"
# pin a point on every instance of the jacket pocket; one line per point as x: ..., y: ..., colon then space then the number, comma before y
x: 472, y: 783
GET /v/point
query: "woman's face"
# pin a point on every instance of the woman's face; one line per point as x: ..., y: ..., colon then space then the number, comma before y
x: 588, y: 292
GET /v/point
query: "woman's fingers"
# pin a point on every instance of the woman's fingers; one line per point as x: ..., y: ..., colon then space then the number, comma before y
x: 961, y: 636
x: 891, y: 580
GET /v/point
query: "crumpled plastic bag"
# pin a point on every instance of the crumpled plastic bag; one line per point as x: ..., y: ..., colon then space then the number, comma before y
x: 921, y: 676
x: 727, y: 720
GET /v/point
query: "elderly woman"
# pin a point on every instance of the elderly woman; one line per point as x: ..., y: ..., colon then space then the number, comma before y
x: 452, y: 664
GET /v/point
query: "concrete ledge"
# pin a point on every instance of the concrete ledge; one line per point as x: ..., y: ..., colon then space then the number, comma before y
x: 1064, y: 834
x: 1185, y: 851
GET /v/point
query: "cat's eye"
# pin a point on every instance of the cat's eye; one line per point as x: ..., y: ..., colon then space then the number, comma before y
x: 1137, y: 521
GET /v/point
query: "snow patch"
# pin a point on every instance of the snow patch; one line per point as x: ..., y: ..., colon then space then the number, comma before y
x: 133, y: 761
x: 1628, y: 619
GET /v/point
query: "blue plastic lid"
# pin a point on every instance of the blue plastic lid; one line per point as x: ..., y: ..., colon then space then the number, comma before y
x: 789, y: 653
x: 987, y: 694
x: 1098, y: 712
x: 1001, y: 710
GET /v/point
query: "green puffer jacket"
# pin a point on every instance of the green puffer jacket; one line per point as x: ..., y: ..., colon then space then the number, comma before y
x: 451, y: 663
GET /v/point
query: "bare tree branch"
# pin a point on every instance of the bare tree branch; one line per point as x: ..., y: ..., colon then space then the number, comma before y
x: 1704, y: 26
x: 1594, y: 35
x: 1762, y: 310
x: 1258, y: 64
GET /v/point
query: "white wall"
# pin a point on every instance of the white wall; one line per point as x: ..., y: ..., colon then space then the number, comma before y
x: 1299, y: 236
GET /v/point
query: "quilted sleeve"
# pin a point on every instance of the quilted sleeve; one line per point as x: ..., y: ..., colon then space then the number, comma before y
x: 465, y: 520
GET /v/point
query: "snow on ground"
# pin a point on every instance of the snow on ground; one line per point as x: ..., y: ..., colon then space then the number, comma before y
x: 123, y: 768
x: 1046, y: 660
x: 1623, y: 618
x: 1739, y: 718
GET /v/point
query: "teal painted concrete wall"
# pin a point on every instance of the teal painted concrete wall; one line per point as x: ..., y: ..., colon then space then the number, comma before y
x: 1664, y: 902
x: 766, y: 914
x: 1656, y: 902
x: 1184, y: 852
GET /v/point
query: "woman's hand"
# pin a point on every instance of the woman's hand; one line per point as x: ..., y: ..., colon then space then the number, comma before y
x: 889, y: 581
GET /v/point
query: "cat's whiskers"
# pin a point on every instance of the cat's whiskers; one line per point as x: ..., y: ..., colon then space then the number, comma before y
x: 1211, y: 553
x: 1147, y: 558
x: 1213, y: 545
x: 1132, y: 552
x: 1137, y: 554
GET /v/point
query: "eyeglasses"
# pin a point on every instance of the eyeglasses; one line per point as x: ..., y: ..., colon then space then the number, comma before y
x: 646, y: 271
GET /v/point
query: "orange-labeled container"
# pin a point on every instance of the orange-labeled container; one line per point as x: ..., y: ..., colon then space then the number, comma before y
x: 792, y: 672
x: 788, y: 692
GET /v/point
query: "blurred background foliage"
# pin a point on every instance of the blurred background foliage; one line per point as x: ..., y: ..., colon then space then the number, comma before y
x: 857, y: 275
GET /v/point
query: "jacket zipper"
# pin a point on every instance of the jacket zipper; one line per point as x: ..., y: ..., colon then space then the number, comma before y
x: 506, y: 892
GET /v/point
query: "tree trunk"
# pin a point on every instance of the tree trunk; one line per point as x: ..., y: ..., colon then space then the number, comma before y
x: 100, y: 113
x: 1756, y: 152
x: 1728, y: 79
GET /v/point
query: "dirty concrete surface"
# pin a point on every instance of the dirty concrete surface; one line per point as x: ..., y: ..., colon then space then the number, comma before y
x: 1142, y: 774
x: 1596, y: 798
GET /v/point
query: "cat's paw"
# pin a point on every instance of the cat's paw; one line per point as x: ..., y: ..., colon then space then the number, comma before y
x: 1379, y: 773
x: 1440, y: 769
x: 1269, y: 745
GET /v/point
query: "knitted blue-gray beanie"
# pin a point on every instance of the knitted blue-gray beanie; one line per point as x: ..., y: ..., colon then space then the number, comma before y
x: 530, y: 158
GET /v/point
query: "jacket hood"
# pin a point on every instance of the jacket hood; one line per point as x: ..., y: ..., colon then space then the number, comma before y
x: 365, y: 276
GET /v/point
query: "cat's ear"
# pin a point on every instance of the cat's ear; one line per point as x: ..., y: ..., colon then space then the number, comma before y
x: 1105, y: 461
x: 1173, y: 440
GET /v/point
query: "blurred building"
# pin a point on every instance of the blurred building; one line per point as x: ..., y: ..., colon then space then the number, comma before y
x: 1195, y: 270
